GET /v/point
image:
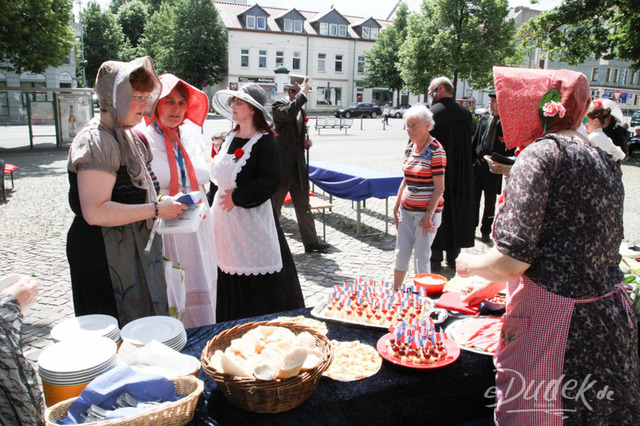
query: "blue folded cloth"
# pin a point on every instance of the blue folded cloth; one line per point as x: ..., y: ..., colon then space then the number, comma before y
x: 105, y: 389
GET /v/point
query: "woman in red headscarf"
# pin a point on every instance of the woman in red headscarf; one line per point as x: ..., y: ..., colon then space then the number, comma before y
x: 568, y: 352
x: 178, y: 163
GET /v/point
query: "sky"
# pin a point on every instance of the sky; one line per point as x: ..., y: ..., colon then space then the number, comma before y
x: 379, y: 9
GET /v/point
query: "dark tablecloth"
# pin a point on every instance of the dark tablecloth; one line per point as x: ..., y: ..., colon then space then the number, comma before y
x: 394, y: 396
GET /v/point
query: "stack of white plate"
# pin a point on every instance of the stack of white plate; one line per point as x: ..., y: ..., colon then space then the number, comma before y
x: 167, y: 330
x: 74, y: 362
x: 96, y: 325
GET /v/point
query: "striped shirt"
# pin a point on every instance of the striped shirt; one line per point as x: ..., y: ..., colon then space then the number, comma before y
x: 419, y: 170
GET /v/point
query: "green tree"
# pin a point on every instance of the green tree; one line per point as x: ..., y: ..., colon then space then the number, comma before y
x: 577, y: 30
x: 132, y: 17
x: 462, y: 39
x: 103, y: 39
x: 186, y: 38
x: 200, y: 52
x: 157, y: 39
x: 383, y: 60
x: 35, y: 34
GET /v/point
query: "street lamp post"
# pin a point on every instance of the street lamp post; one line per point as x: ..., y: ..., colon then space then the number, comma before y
x: 84, y: 62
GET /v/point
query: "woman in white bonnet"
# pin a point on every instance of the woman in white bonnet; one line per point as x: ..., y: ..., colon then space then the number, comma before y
x: 113, y: 197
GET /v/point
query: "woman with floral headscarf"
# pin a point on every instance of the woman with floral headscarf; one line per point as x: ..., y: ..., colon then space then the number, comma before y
x: 568, y: 352
x: 114, y: 199
x: 178, y: 163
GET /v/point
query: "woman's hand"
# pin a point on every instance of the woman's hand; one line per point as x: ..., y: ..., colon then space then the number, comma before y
x: 482, y: 292
x: 25, y: 291
x: 463, y: 264
x: 226, y: 202
x: 427, y: 224
x: 396, y: 215
x: 168, y: 208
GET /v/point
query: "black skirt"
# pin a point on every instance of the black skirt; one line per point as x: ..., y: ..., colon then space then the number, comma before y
x: 244, y: 296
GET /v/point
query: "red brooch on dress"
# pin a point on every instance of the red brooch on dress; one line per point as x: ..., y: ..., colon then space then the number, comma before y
x: 238, y: 153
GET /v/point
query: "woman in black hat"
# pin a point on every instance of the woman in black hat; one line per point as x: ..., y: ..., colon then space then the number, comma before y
x: 256, y: 274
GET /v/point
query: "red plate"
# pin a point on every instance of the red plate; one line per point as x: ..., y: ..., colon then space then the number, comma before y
x: 453, y: 352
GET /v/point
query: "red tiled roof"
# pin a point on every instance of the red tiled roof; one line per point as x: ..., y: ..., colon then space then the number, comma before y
x: 229, y: 14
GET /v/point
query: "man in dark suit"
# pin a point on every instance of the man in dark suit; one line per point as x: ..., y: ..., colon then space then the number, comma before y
x: 291, y: 126
x: 453, y: 131
x: 487, y: 139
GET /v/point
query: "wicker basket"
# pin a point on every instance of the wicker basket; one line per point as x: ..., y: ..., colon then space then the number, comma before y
x: 498, y: 168
x: 177, y: 413
x: 266, y: 396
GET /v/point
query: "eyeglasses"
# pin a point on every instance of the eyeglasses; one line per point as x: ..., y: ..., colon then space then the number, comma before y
x: 142, y: 98
x: 237, y: 102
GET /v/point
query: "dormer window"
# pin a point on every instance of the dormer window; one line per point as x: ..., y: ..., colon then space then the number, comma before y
x: 365, y: 33
x: 324, y: 28
x: 292, y: 26
x: 256, y: 22
x: 342, y: 30
x: 374, y: 33
x: 333, y: 29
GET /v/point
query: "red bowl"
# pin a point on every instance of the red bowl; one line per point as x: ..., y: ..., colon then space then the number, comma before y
x: 433, y: 283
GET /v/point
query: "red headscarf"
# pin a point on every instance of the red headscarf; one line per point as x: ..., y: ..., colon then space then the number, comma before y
x: 519, y: 92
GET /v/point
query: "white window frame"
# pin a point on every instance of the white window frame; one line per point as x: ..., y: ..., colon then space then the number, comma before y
x: 288, y: 25
x: 374, y: 33
x: 244, y: 54
x: 279, y: 58
x: 297, y: 26
x: 338, y: 63
x: 362, y: 61
x: 342, y: 30
x: 261, y: 22
x: 262, y: 59
x: 297, y: 57
x: 365, y: 33
x: 324, y: 28
x: 333, y: 30
x: 595, y: 73
x: 250, y: 22
x: 322, y: 62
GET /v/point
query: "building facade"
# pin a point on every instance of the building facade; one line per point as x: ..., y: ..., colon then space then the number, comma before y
x: 326, y: 46
x: 13, y: 103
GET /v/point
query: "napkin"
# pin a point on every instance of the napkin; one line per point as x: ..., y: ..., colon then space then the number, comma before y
x: 452, y: 301
x: 157, y: 358
x: 105, y: 389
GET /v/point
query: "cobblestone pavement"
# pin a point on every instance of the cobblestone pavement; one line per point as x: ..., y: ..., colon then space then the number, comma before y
x: 35, y: 219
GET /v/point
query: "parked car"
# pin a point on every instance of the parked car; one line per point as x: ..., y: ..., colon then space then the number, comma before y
x: 635, y: 119
x: 358, y: 109
x: 398, y: 110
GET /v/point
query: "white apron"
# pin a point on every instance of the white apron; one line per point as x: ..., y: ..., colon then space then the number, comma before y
x: 246, y: 239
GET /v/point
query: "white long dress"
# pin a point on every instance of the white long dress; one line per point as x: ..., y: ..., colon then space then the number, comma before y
x: 194, y: 252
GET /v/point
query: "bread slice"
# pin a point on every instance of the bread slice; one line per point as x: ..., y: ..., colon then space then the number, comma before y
x: 292, y: 362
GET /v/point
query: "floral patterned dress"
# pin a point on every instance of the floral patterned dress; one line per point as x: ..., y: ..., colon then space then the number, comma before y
x: 562, y: 214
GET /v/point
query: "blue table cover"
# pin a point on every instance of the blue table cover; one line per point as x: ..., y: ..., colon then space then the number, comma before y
x: 353, y: 183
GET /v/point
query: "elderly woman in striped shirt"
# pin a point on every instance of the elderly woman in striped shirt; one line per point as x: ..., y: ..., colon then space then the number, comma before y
x: 418, y: 209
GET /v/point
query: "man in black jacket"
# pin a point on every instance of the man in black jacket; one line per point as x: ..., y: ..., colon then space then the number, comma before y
x: 291, y: 126
x: 453, y: 131
x: 487, y: 139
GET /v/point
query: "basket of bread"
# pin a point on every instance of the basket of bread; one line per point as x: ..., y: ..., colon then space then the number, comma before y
x: 267, y: 367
